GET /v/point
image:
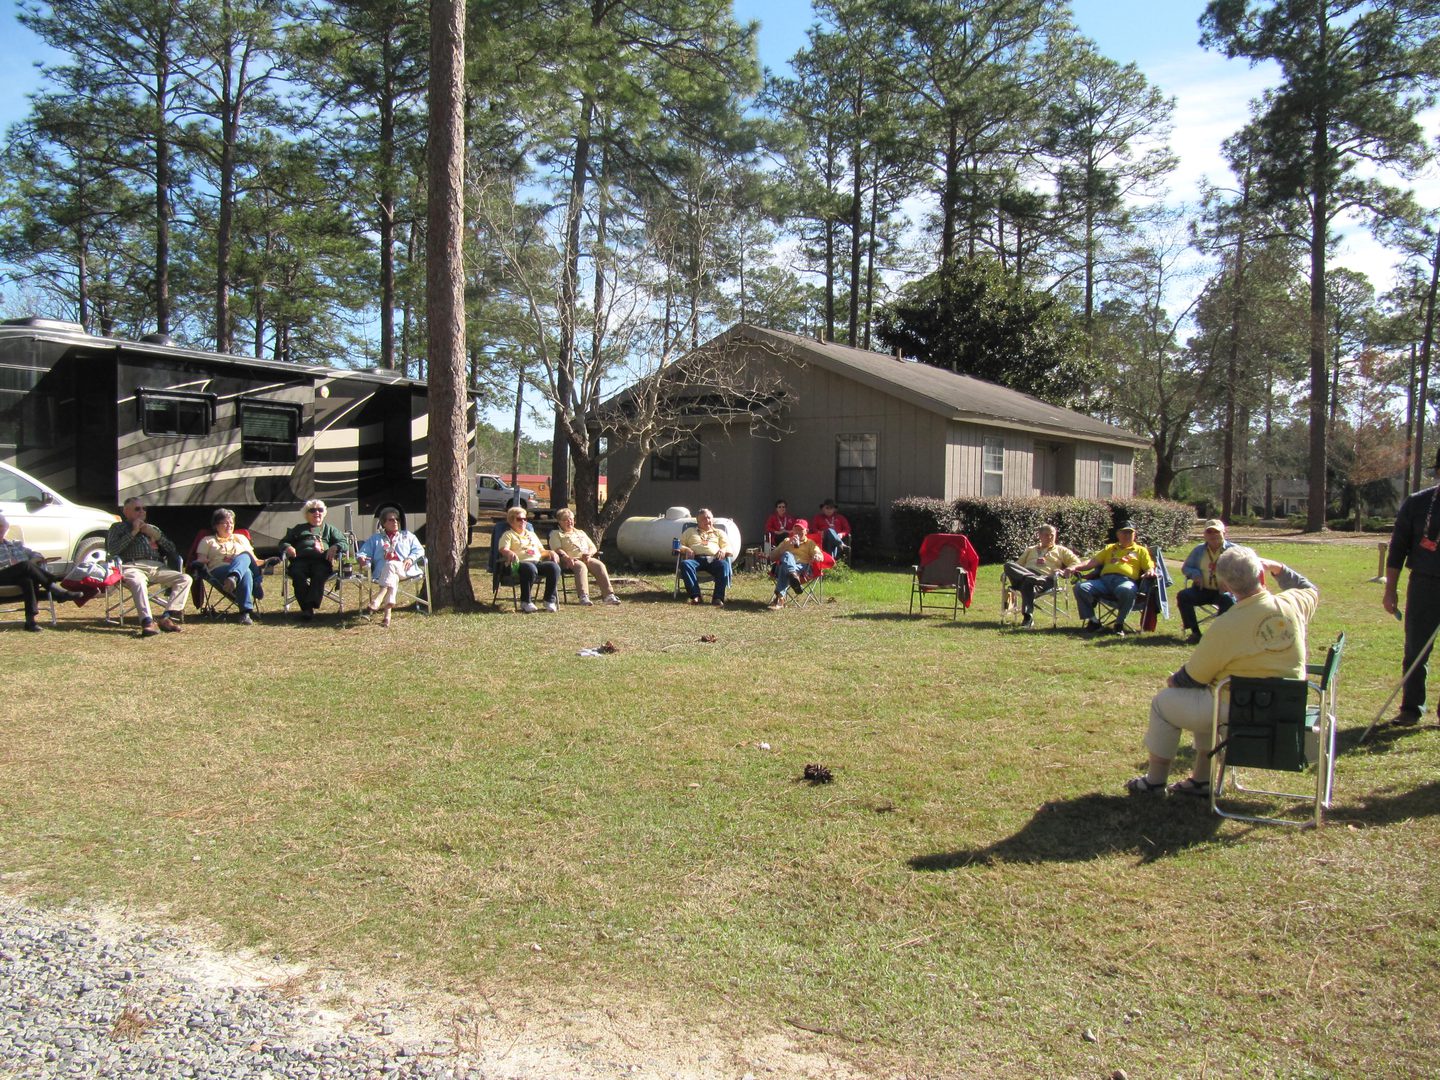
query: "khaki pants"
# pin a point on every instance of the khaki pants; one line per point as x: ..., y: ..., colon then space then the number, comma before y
x: 1175, y: 710
x: 583, y: 568
x: 137, y: 578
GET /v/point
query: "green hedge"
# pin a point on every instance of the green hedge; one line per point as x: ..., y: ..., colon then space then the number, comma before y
x: 1001, y: 528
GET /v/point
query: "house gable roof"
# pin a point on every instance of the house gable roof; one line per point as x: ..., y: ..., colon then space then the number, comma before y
x: 956, y: 397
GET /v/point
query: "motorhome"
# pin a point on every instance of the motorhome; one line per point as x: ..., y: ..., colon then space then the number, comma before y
x: 102, y: 420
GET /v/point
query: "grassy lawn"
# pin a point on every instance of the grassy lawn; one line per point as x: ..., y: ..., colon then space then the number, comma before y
x: 974, y: 892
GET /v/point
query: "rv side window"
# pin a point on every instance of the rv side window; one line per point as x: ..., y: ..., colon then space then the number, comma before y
x: 269, y: 433
x: 176, y: 414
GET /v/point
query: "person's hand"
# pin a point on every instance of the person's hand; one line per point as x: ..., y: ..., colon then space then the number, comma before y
x: 686, y: 552
x: 1389, y: 601
x: 288, y: 551
x: 1272, y: 568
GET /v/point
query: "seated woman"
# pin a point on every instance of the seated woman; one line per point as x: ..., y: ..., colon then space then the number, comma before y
x: 792, y: 557
x: 392, y: 554
x: 577, y: 552
x: 230, y: 562
x: 25, y: 570
x: 777, y: 525
x: 521, y: 548
x: 311, y: 546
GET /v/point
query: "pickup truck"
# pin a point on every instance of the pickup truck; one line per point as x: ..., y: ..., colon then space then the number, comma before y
x: 492, y: 492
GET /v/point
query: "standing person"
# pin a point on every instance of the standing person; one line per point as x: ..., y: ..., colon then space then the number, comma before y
x: 311, y: 546
x: 25, y: 570
x: 1204, y: 587
x: 392, y: 553
x: 833, y: 527
x: 144, y: 552
x: 704, y: 547
x: 230, y: 562
x: 777, y: 525
x: 522, y: 548
x: 1262, y: 636
x: 576, y: 552
x: 1121, y: 565
x: 1414, y: 543
x: 1034, y: 572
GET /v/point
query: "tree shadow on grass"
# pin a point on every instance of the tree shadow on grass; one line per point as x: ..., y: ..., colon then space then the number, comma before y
x: 892, y: 616
x: 1090, y: 827
x: 1389, y: 807
x: 1385, y: 736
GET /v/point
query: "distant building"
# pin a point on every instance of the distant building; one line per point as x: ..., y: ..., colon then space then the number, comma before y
x: 866, y: 429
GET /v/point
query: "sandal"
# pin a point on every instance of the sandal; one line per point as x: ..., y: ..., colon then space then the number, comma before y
x: 1199, y: 789
x: 1141, y: 785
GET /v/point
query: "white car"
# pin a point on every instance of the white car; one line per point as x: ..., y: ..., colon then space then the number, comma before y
x: 48, y: 522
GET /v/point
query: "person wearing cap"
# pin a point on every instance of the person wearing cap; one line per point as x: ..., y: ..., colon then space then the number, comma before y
x: 792, y: 558
x: 1261, y: 636
x: 1122, y: 565
x: 1034, y: 572
x: 1204, y: 587
x: 1414, y: 543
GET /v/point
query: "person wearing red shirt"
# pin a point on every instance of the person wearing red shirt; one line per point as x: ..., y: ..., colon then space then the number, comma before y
x: 778, y: 524
x: 833, y: 528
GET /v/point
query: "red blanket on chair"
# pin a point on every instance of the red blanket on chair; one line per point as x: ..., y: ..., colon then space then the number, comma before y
x: 934, y: 545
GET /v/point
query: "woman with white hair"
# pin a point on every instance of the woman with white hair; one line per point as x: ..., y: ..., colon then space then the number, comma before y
x: 392, y: 554
x: 521, y: 548
x: 577, y: 554
x: 311, y: 546
x: 24, y: 569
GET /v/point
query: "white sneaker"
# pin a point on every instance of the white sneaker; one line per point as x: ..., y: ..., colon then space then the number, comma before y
x: 585, y: 601
x: 528, y: 608
x: 550, y: 606
x: 611, y: 598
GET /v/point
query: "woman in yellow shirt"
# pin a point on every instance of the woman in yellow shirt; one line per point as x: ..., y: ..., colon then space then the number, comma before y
x: 521, y: 548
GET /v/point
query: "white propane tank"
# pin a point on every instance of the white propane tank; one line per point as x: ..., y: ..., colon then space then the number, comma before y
x: 652, y: 539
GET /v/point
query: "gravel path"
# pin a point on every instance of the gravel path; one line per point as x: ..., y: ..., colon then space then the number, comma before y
x: 87, y: 994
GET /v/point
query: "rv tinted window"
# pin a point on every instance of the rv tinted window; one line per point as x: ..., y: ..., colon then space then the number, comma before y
x: 175, y: 414
x: 269, y: 432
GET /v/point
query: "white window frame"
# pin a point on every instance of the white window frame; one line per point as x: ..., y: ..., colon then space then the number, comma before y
x: 1106, y: 485
x: 992, y: 466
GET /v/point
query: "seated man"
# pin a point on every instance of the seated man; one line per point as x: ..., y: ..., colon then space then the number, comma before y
x: 1034, y: 572
x: 792, y: 557
x: 1204, y: 587
x: 577, y: 553
x: 1121, y: 565
x: 25, y: 570
x: 230, y: 563
x: 1261, y: 636
x: 833, y: 527
x: 144, y: 552
x: 704, y: 547
x: 777, y: 525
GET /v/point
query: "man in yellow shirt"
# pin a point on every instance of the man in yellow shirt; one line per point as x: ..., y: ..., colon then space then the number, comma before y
x: 1261, y: 636
x: 1034, y: 572
x: 704, y: 547
x: 1121, y: 565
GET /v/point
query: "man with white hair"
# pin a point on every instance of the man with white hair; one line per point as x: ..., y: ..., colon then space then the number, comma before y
x: 1261, y: 636
x: 147, y: 555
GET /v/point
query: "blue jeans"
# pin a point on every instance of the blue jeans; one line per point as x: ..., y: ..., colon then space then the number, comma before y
x: 832, y: 542
x: 784, y: 568
x: 1193, y: 597
x: 1117, y: 587
x: 530, y: 572
x: 716, y: 567
x: 243, y: 567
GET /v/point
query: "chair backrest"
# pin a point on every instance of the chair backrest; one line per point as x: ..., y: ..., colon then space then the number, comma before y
x: 941, y: 554
x: 1266, y: 723
x: 1331, y: 666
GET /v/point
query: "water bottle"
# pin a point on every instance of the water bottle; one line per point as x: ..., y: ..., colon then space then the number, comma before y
x: 674, y: 545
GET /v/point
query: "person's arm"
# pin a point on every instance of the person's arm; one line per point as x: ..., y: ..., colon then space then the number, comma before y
x: 1395, y: 558
x: 686, y: 538
x: 1191, y: 570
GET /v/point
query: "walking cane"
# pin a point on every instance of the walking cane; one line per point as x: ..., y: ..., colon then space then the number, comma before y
x: 1420, y: 658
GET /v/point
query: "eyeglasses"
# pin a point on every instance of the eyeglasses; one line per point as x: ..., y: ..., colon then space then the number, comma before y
x: 315, y: 510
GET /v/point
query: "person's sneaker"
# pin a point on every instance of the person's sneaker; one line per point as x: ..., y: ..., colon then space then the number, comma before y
x: 585, y: 601
x: 64, y: 595
x: 33, y: 627
x: 229, y: 585
x: 1028, y: 622
x: 612, y: 599
x: 717, y: 602
x: 1091, y: 626
x: 169, y: 625
x: 551, y: 607
x: 528, y: 608
x: 776, y: 604
x: 245, y: 619
x: 1119, y: 630
x: 149, y: 629
x: 1193, y: 638
x: 1406, y: 718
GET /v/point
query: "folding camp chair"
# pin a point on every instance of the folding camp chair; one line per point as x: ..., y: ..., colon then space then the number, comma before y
x: 1107, y: 609
x: 812, y: 579
x: 12, y: 598
x: 208, y: 599
x: 1276, y: 725
x: 945, y: 574
x: 1048, y: 601
x: 503, y: 575
x: 413, y: 591
x: 118, y: 599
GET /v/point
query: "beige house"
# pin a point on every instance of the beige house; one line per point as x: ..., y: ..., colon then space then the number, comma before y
x: 867, y: 429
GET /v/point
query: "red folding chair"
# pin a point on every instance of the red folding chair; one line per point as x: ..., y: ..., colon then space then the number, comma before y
x: 945, y: 574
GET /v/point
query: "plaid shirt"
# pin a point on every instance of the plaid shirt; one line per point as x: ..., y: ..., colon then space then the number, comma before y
x: 128, y: 546
x: 13, y: 552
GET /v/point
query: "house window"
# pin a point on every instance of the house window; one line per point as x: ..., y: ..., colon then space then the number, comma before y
x: 678, y: 462
x: 1107, y: 475
x: 857, y: 475
x: 992, y: 480
x: 176, y: 414
x: 269, y: 433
